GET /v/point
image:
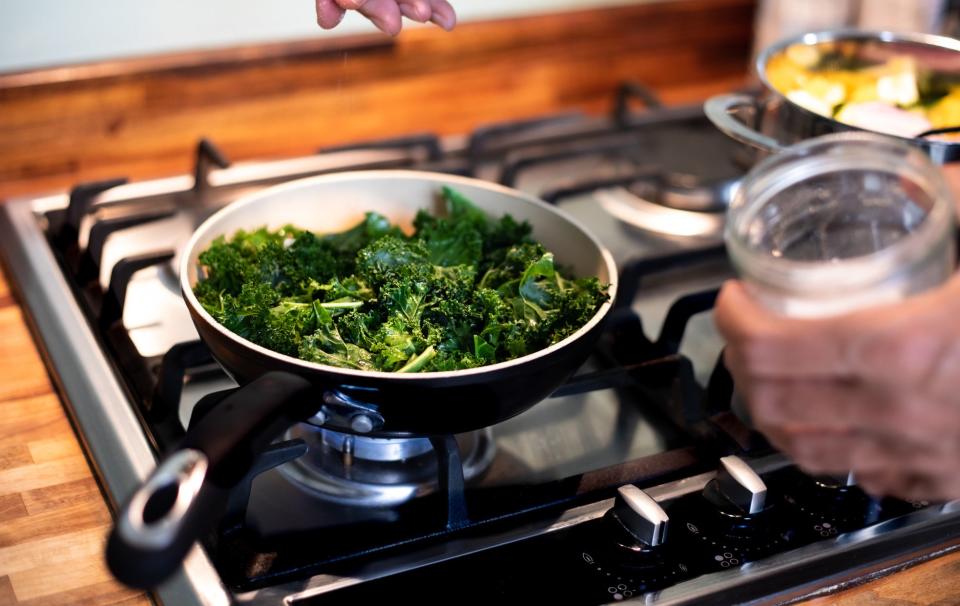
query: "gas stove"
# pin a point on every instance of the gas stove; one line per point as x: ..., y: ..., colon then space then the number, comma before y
x: 633, y: 481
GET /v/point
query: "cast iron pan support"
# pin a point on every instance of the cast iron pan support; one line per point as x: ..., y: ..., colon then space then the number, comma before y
x: 728, y: 411
x: 208, y: 157
x: 274, y: 456
x: 450, y: 470
x: 91, y: 259
x: 67, y: 230
x: 188, y: 492
x: 111, y: 311
x: 627, y: 92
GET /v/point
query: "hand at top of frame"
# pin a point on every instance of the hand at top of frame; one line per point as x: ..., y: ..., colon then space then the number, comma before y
x: 386, y: 14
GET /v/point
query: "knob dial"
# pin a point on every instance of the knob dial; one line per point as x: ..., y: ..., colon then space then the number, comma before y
x: 732, y: 521
x: 737, y: 488
x: 828, y: 505
x: 628, y: 549
x: 842, y: 480
x: 640, y: 515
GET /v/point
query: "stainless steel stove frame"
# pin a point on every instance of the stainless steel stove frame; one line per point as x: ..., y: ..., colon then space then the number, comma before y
x: 99, y: 407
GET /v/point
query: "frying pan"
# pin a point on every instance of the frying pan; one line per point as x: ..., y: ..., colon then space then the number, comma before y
x: 186, y: 495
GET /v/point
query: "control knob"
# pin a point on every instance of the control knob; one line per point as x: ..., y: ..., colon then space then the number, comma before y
x: 640, y: 516
x: 633, y: 550
x: 735, y: 522
x: 737, y: 489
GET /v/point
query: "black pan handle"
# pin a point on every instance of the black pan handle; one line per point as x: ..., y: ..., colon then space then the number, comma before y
x: 186, y: 495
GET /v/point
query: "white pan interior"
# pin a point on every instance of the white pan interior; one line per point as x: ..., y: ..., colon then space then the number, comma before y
x: 334, y: 203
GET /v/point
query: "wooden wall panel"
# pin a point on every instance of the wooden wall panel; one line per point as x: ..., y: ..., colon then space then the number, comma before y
x: 145, y: 122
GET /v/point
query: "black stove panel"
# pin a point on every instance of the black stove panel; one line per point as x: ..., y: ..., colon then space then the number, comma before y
x: 598, y: 562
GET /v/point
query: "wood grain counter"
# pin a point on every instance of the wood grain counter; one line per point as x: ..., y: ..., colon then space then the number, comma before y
x: 142, y: 119
x: 53, y: 518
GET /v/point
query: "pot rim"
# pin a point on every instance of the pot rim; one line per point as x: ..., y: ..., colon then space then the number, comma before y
x: 853, y: 34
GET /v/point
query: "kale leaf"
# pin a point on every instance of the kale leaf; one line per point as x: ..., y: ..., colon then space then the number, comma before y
x: 463, y: 291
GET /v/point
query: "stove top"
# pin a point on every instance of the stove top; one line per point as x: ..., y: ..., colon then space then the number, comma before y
x: 634, y: 480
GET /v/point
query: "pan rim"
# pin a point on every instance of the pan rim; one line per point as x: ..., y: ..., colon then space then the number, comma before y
x: 439, y: 178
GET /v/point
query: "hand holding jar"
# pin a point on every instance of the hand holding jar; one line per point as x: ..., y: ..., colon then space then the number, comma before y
x: 844, y: 335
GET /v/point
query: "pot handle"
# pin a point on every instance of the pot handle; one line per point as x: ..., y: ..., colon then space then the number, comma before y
x: 186, y: 494
x: 719, y: 110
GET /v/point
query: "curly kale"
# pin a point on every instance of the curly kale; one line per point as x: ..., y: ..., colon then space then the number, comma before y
x: 463, y: 291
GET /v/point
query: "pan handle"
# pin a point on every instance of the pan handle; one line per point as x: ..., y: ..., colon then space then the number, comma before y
x: 720, y: 109
x: 187, y: 493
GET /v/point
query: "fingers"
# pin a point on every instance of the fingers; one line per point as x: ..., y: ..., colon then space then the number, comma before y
x: 329, y: 13
x: 443, y: 14
x: 883, y: 468
x: 385, y: 14
x: 771, y: 346
x: 416, y: 10
x: 910, y: 415
x: 823, y: 452
x: 903, y: 456
x: 833, y: 405
x: 897, y: 343
x: 911, y: 486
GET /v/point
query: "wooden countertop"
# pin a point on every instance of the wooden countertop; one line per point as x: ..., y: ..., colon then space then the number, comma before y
x: 141, y: 119
x: 53, y: 518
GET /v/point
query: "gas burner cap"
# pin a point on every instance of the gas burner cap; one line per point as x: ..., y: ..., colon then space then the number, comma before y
x: 689, y: 192
x: 375, y: 449
x: 641, y: 213
x: 377, y: 472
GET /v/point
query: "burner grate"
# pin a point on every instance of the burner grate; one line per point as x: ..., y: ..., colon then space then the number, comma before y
x: 651, y: 374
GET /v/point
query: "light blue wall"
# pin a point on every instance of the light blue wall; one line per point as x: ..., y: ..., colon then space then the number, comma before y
x: 39, y: 33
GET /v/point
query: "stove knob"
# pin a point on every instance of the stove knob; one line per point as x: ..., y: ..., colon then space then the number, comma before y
x: 835, y: 499
x: 737, y: 485
x: 640, y: 516
x: 843, y: 480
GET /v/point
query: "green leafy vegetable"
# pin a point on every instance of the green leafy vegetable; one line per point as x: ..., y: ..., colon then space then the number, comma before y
x: 463, y: 291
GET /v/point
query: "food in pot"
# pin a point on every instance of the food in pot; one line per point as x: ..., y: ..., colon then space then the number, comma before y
x: 892, y: 94
x: 462, y: 291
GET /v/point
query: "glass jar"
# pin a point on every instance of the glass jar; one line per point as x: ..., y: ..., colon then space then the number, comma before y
x: 839, y: 223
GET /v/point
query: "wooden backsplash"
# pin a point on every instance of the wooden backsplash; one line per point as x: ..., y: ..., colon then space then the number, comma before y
x: 142, y: 118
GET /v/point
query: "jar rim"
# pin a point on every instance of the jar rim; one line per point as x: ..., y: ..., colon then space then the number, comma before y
x: 890, y: 155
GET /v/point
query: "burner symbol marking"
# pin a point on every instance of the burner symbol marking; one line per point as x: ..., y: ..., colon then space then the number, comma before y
x: 825, y: 529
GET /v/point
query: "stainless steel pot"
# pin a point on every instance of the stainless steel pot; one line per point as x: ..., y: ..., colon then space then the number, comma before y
x: 768, y: 121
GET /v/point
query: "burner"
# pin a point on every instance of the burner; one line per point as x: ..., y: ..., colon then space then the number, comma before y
x: 377, y: 472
